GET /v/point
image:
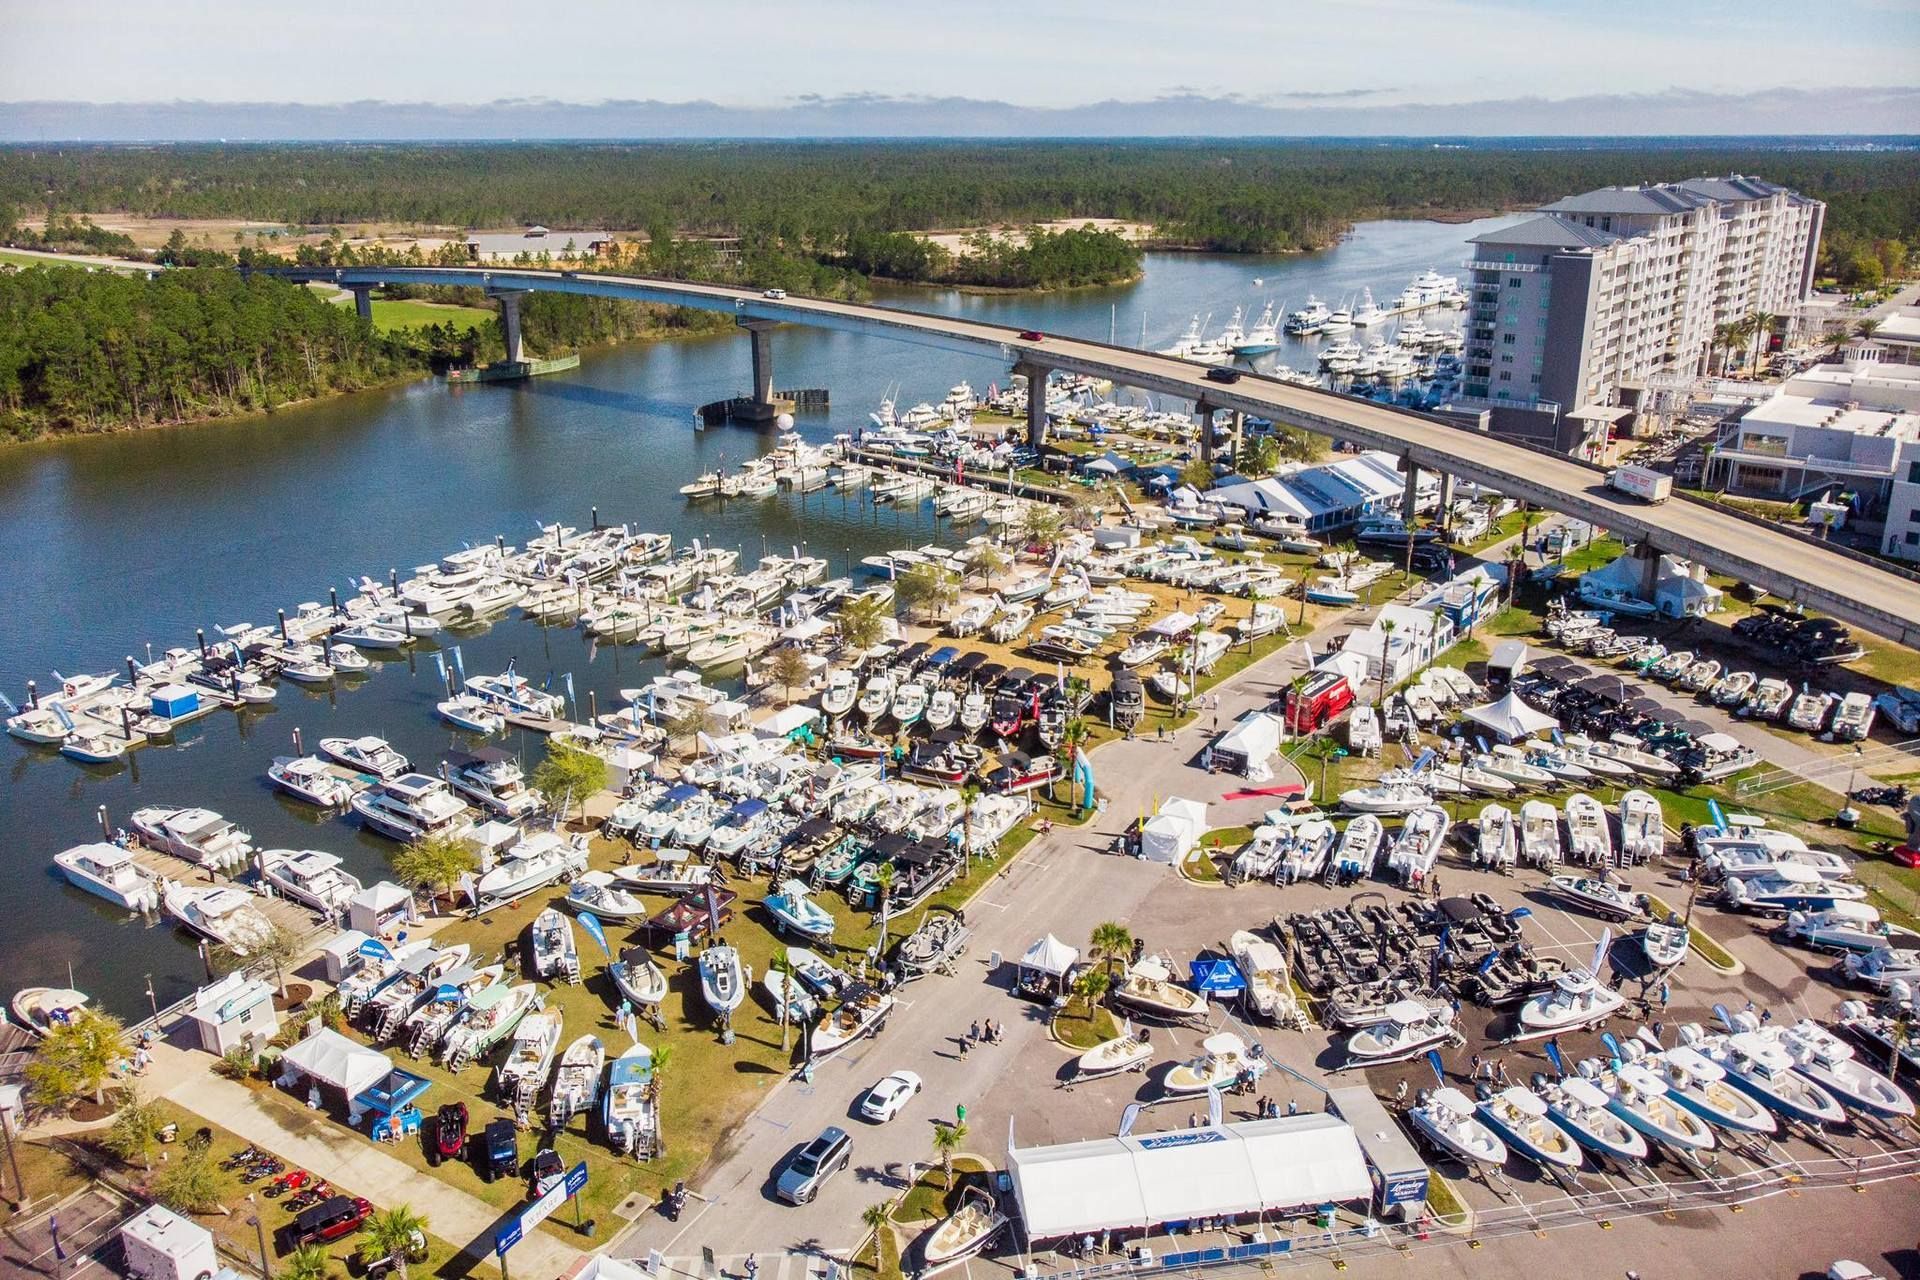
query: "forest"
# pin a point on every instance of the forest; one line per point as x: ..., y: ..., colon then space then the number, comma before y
x: 827, y: 199
x: 93, y: 351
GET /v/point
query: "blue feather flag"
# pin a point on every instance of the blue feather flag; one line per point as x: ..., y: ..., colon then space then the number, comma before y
x: 1439, y: 1069
x: 1553, y: 1056
x: 591, y: 923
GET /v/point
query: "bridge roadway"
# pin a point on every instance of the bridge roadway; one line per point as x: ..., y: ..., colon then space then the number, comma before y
x: 1789, y: 564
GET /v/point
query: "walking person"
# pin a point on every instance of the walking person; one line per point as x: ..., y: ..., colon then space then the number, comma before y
x: 753, y: 1268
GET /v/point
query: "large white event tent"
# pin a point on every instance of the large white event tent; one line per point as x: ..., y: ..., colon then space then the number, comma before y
x: 1172, y: 832
x: 1510, y: 719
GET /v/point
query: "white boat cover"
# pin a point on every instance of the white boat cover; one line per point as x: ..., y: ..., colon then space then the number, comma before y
x: 1050, y: 956
x: 1174, y: 830
x: 331, y: 1059
x: 1173, y: 626
x: 1510, y: 719
x: 1141, y: 1181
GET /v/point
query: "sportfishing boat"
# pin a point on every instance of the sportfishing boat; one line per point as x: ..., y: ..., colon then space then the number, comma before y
x: 108, y: 871
x: 816, y: 974
x: 535, y: 861
x: 1665, y: 942
x: 1699, y: 1085
x: 1386, y: 798
x: 1637, y: 1095
x: 39, y: 1010
x: 1597, y: 897
x: 1524, y: 1121
x: 1510, y: 762
x: 1224, y: 1059
x: 842, y: 691
x: 493, y: 780
x: 1445, y: 1118
x: 1642, y: 827
x: 1759, y: 1065
x: 595, y: 891
x: 200, y: 836
x: 576, y: 1081
x: 974, y: 709
x: 1359, y: 846
x: 1889, y: 1036
x: 1264, y: 336
x: 310, y: 876
x: 963, y: 1233
x: 471, y: 713
x: 1847, y: 927
x: 1149, y: 988
x: 722, y: 981
x: 861, y: 1011
x: 637, y: 977
x: 942, y: 709
x: 490, y: 1018
x: 1496, y: 841
x: 1788, y: 887
x: 877, y: 697
x: 909, y: 703
x: 427, y: 1024
x: 1015, y: 618
x: 1539, y: 834
x: 1578, y: 999
x: 1589, y: 839
x: 1579, y: 1107
x: 536, y: 1039
x: 411, y: 806
x: 309, y: 778
x: 792, y: 907
x: 366, y: 755
x: 1129, y: 1051
x: 552, y: 950
x: 1884, y: 968
x: 629, y: 1111
x: 788, y: 998
x: 1409, y: 1029
x: 220, y: 913
x: 1645, y: 763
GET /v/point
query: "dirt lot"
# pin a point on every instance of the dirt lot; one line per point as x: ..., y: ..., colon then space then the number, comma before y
x: 951, y: 240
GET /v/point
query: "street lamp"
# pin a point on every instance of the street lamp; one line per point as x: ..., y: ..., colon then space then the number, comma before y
x: 153, y: 1001
x: 260, y: 1234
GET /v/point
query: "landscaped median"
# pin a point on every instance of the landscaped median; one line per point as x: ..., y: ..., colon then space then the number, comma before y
x: 1709, y: 950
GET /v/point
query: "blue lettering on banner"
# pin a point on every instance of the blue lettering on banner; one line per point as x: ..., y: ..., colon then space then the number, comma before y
x: 1180, y: 1138
x: 505, y: 1238
x: 577, y: 1178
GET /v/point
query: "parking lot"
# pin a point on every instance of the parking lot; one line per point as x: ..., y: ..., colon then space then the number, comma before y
x: 76, y: 1237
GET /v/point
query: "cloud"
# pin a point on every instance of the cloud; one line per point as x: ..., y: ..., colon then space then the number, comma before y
x: 1189, y: 113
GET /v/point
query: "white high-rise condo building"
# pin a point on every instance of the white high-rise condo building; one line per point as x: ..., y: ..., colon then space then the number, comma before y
x: 1575, y: 309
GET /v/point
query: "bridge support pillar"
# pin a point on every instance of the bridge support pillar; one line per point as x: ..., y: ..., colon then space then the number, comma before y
x: 1446, y: 499
x: 1036, y: 377
x: 1204, y: 412
x: 510, y: 326
x: 759, y: 406
x: 363, y: 301
x: 1239, y: 435
x: 1410, y: 500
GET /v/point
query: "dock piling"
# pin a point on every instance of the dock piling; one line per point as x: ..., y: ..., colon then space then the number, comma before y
x: 333, y: 595
x: 200, y: 637
x: 133, y: 670
x: 106, y: 827
x: 33, y: 696
x: 283, y: 626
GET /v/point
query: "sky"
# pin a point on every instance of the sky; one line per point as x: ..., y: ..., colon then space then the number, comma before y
x: 1283, y: 54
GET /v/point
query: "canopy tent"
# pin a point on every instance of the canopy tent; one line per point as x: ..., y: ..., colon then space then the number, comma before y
x: 395, y: 1093
x: 1136, y: 1183
x: 1109, y: 464
x: 329, y: 1058
x: 1050, y: 956
x: 1249, y: 744
x: 1510, y: 719
x: 1172, y: 833
x: 1216, y: 975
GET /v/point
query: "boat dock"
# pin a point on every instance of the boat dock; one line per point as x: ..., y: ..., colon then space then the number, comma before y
x: 294, y: 917
x: 881, y: 460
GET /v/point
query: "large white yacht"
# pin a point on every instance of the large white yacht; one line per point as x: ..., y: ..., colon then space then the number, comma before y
x: 492, y: 779
x: 411, y: 806
x: 201, y: 836
x: 366, y: 755
x: 312, y: 877
x: 539, y: 859
x: 110, y: 872
x: 219, y: 913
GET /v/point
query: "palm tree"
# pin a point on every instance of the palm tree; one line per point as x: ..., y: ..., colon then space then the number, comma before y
x: 662, y: 1063
x: 876, y: 1217
x: 970, y: 793
x: 1725, y: 337
x: 947, y: 1140
x: 393, y: 1233
x: 1297, y: 688
x: 1835, y: 341
x: 1111, y: 941
x: 1387, y: 627
x: 1091, y: 985
x: 308, y: 1262
x: 1865, y: 329
x: 1758, y: 325
x: 1072, y: 740
x: 883, y: 877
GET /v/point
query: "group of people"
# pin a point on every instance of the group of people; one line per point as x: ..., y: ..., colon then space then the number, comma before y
x: 988, y: 1032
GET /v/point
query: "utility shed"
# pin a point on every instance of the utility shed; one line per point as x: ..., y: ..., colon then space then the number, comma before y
x: 1143, y: 1181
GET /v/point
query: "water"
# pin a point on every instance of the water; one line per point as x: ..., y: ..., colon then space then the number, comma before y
x: 111, y: 544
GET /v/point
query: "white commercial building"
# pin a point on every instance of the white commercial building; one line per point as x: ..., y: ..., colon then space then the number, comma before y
x: 1575, y: 309
x: 1326, y: 495
x: 1141, y: 1182
x: 234, y: 1013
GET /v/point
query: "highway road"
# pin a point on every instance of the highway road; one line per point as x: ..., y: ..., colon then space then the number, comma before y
x: 1784, y: 561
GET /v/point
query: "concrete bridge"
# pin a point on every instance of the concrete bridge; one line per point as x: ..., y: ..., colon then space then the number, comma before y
x: 1786, y: 562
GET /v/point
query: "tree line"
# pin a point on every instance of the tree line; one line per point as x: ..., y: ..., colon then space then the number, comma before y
x: 1233, y: 195
x: 95, y: 351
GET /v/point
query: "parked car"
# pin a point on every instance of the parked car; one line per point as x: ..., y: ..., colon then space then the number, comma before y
x: 448, y: 1140
x: 328, y: 1220
x: 819, y: 1160
x: 498, y: 1152
x: 883, y: 1102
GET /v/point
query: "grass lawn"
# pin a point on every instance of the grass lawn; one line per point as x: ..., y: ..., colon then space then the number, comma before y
x: 880, y: 1257
x: 48, y: 1174
x: 930, y: 1199
x: 1443, y: 1202
x: 1600, y: 551
x: 23, y: 260
x: 1080, y: 1028
x: 388, y: 316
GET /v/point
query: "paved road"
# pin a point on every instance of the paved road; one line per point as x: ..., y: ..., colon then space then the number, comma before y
x: 1787, y: 564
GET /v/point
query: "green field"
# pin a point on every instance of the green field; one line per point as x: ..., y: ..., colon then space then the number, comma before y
x: 388, y: 316
x: 11, y: 259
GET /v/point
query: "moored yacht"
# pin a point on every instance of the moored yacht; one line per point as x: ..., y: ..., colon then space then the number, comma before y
x: 308, y: 778
x: 220, y: 913
x: 311, y: 877
x: 200, y: 836
x: 367, y: 755
x: 109, y: 872
x: 411, y: 806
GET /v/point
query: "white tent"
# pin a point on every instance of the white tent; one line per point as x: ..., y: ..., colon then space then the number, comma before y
x: 329, y: 1058
x: 1050, y: 956
x: 1248, y: 745
x: 1510, y: 719
x: 1172, y: 833
x: 1140, y: 1182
